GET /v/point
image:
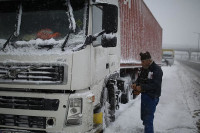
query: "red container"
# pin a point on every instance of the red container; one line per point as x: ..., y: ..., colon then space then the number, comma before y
x: 140, y: 32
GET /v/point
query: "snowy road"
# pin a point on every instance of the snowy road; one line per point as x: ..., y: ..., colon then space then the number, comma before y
x: 178, y: 110
x: 194, y: 67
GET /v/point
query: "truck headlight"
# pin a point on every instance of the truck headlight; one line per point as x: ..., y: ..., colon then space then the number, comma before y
x: 74, y: 116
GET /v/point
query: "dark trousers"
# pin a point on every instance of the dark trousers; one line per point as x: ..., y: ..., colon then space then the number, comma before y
x: 148, y: 108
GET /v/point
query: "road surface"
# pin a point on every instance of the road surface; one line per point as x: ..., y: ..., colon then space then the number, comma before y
x: 191, y: 64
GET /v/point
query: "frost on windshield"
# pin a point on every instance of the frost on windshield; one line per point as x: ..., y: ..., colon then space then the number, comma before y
x: 42, y: 26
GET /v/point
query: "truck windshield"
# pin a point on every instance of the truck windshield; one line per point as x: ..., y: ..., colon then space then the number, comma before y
x: 168, y: 54
x: 42, y: 22
x: 7, y: 20
x: 44, y: 25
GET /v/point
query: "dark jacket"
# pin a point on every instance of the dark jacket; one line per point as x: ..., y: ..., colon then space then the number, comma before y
x: 150, y: 80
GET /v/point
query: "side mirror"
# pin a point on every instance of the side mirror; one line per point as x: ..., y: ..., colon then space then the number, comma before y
x: 109, y: 40
x: 110, y: 18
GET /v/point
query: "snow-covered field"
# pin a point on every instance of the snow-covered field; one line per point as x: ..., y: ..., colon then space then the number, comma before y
x: 178, y: 110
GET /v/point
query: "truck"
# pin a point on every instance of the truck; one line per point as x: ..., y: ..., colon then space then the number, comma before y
x: 67, y: 65
x: 168, y: 57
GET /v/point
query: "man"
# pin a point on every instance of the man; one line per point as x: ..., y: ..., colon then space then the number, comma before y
x: 149, y: 85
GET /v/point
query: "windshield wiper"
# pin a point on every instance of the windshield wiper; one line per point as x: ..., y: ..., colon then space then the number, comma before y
x: 89, y: 39
x: 7, y: 42
x: 65, y: 42
x: 16, y: 32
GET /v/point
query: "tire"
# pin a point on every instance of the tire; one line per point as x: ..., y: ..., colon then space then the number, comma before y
x: 106, y: 109
x: 125, y: 97
x: 112, y: 100
x: 108, y: 105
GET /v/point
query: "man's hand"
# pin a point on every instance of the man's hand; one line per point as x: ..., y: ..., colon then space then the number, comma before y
x: 136, y: 89
x: 136, y: 92
x: 133, y: 86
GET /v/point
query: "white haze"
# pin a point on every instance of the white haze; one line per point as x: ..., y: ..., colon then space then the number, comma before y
x: 179, y: 20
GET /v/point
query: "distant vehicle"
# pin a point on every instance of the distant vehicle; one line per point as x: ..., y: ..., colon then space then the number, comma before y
x: 168, y: 57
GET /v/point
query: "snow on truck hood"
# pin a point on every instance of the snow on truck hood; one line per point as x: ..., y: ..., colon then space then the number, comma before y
x: 42, y: 47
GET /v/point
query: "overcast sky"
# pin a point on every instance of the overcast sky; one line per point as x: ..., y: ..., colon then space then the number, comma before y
x: 179, y: 20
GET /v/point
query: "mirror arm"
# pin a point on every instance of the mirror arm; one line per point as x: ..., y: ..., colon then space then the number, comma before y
x: 91, y: 38
x: 99, y: 34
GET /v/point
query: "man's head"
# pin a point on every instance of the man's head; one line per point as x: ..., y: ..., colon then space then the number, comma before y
x: 145, y: 59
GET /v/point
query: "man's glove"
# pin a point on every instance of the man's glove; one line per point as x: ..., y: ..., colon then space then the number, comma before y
x: 133, y: 86
x: 136, y: 89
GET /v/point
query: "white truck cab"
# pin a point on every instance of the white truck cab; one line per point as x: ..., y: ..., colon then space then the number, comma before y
x: 66, y: 65
x: 57, y: 59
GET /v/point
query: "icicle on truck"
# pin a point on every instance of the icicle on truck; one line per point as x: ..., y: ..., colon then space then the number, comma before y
x: 66, y: 63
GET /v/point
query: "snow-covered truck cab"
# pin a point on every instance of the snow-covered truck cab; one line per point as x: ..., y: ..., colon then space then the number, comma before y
x: 55, y: 59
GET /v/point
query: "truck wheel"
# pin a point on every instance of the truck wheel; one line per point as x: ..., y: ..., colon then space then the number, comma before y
x: 125, y: 97
x: 112, y: 100
x: 106, y: 109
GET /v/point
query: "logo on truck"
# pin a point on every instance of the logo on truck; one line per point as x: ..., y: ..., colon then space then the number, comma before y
x: 12, y: 73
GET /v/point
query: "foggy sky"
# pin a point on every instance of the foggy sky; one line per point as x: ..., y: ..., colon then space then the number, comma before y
x: 179, y: 20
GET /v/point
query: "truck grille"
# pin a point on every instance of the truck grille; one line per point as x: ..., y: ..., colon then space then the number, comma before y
x: 31, y: 73
x: 29, y: 103
x: 23, y: 121
x: 10, y: 130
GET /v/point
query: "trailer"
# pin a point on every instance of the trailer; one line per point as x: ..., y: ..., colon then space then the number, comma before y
x: 67, y: 65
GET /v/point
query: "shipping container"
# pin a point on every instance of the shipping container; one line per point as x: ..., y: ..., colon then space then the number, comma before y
x: 140, y: 32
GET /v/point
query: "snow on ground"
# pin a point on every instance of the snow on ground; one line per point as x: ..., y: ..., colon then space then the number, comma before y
x: 177, y: 112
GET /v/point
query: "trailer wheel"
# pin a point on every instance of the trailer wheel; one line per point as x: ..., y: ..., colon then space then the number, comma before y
x: 125, y: 97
